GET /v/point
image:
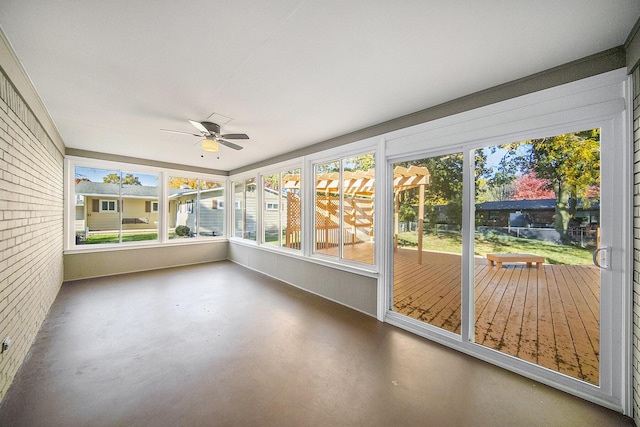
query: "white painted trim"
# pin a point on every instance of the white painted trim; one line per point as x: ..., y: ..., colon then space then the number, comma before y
x: 627, y: 316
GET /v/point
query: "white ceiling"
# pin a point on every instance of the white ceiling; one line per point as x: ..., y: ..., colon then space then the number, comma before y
x: 289, y: 73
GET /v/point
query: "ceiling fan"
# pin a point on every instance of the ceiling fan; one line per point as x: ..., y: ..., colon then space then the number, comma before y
x: 212, y: 136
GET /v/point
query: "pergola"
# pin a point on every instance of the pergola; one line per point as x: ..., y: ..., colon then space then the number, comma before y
x: 360, y: 185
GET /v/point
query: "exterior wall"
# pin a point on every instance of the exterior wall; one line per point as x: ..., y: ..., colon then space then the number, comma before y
x: 636, y: 246
x: 132, y: 208
x: 211, y: 214
x: 31, y: 221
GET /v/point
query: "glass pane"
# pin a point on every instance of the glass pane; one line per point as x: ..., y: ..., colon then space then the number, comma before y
x: 183, y: 194
x: 238, y: 209
x: 357, y: 208
x: 537, y: 221
x: 427, y: 257
x: 291, y: 210
x: 96, y: 222
x: 327, y: 207
x: 211, y: 209
x: 271, y: 212
x: 139, y: 192
x: 251, y: 209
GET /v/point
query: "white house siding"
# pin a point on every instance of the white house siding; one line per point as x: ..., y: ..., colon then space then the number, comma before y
x: 636, y: 246
x: 211, y: 213
x: 31, y: 220
x: 211, y: 216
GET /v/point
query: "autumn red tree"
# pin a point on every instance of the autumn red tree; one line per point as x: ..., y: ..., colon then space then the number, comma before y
x: 530, y: 187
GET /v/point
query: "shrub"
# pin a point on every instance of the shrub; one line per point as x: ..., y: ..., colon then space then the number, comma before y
x: 182, y: 230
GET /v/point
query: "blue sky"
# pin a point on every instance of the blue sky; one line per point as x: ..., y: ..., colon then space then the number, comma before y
x: 96, y: 175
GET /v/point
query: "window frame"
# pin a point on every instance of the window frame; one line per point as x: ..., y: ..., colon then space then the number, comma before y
x: 373, y: 145
x: 279, y: 206
x: 70, y: 164
x: 108, y: 202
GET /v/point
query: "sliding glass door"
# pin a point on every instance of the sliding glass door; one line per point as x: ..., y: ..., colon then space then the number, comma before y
x: 427, y: 253
x: 504, y: 251
x: 537, y: 226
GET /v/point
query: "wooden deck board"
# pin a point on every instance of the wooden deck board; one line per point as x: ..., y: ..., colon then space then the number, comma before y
x: 547, y: 316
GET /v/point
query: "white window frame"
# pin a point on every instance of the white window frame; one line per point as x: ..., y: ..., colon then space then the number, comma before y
x: 370, y: 145
x: 108, y: 202
x: 71, y: 162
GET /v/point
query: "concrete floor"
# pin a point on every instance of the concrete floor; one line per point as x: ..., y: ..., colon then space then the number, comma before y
x: 218, y: 344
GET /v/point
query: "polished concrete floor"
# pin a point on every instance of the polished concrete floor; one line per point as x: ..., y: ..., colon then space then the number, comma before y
x: 220, y: 345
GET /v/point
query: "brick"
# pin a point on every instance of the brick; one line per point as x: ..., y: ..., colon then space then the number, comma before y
x: 31, y: 191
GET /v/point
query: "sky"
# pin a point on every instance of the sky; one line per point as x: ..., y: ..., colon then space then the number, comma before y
x: 96, y: 175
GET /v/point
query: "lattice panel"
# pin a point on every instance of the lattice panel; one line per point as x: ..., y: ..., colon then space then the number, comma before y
x: 327, y: 212
x: 294, y: 212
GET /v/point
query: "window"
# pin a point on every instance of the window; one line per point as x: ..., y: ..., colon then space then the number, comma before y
x: 210, y: 205
x: 245, y: 219
x: 114, y: 206
x: 107, y: 205
x: 111, y: 205
x: 344, y: 208
x: 150, y: 206
x: 193, y: 208
x: 281, y: 218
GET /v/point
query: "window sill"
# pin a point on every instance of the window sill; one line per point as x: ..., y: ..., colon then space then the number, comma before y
x: 128, y: 246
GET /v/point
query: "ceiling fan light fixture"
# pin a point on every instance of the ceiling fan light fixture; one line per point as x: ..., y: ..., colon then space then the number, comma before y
x: 210, y: 145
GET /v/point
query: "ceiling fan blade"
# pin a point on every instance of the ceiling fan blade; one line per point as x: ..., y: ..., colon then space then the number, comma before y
x: 229, y: 144
x: 235, y: 136
x: 179, y: 131
x: 199, y: 126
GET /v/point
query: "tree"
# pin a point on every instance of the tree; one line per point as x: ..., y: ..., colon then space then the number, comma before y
x: 569, y: 162
x: 128, y: 179
x: 489, y: 191
x: 530, y: 187
x: 186, y: 183
x: 445, y: 185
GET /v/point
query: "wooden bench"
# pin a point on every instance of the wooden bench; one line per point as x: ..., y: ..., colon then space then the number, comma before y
x: 498, y: 259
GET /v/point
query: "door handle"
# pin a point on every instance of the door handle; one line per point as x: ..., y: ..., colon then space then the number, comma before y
x: 603, y: 262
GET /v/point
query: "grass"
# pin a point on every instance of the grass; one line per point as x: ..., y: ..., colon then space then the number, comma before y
x: 494, y: 243
x: 113, y: 238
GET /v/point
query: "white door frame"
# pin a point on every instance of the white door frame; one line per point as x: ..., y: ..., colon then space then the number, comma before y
x: 600, y: 101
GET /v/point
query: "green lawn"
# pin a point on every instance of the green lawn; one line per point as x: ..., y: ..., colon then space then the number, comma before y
x: 493, y: 243
x: 113, y: 238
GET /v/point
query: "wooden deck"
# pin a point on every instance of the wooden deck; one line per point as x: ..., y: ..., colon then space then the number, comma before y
x: 548, y: 316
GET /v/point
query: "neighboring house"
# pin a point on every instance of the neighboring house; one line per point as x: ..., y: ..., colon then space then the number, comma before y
x: 99, y: 208
x: 274, y: 204
x: 182, y: 210
x: 532, y: 213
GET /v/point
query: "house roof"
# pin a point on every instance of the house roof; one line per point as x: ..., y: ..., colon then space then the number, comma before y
x: 514, y: 205
x: 88, y: 188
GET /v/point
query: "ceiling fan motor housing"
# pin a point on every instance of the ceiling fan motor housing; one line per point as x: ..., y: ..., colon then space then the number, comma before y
x: 212, y: 127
